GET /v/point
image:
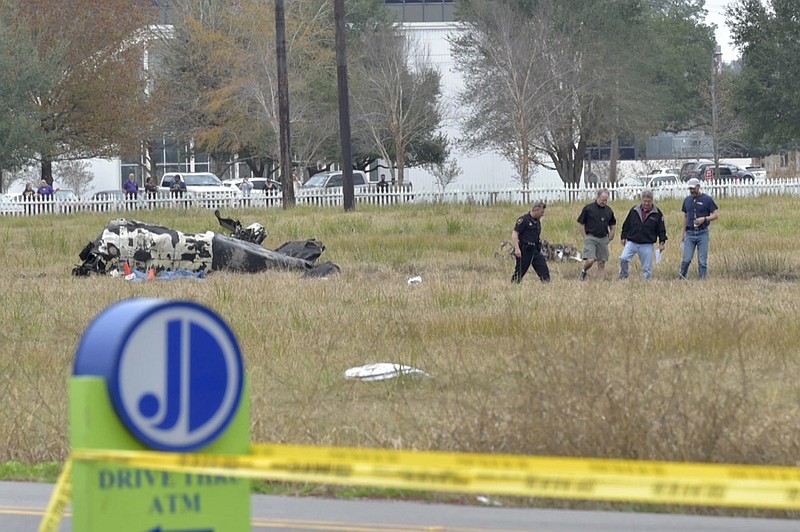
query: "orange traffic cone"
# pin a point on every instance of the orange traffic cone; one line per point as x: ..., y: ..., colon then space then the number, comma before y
x: 151, y: 274
x: 127, y: 268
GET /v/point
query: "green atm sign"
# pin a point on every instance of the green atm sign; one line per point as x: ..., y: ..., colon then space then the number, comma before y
x: 166, y: 376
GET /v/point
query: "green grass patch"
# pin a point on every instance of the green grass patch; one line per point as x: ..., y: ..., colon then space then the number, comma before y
x: 41, y: 472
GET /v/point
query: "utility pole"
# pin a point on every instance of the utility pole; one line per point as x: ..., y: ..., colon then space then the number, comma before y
x: 344, y: 105
x: 287, y: 183
x: 716, y: 65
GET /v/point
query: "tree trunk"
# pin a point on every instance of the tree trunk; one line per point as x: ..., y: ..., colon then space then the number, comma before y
x: 568, y: 161
x: 401, y: 164
x: 612, y: 171
x: 150, y: 146
x: 47, y: 170
x: 256, y: 166
x: 525, y: 166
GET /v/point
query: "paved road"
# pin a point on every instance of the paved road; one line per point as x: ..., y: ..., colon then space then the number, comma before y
x: 22, y: 506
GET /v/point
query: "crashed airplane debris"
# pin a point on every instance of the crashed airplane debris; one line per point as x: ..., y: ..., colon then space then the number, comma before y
x: 143, y: 246
x: 254, y: 233
x: 551, y: 252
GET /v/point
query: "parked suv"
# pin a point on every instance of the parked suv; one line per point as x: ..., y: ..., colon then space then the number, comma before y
x: 727, y: 172
x: 326, y: 180
x: 706, y: 170
x: 692, y: 170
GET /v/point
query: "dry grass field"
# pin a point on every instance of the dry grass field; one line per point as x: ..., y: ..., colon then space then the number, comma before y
x: 665, y: 370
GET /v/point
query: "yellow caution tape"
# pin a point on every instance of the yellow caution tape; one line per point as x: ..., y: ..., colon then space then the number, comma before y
x: 58, y: 501
x: 527, y: 476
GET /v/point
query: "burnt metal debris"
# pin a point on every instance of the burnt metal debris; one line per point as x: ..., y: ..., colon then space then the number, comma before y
x: 551, y: 252
x: 144, y: 246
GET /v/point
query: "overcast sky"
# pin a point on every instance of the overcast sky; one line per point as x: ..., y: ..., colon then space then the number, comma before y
x: 716, y: 16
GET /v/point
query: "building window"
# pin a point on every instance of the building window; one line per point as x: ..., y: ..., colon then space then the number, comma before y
x: 168, y: 156
x: 422, y: 10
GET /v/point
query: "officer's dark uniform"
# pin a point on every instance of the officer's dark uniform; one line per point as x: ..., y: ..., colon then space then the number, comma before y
x: 529, y: 230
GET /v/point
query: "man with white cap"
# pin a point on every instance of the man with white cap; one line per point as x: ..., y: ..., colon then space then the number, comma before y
x: 698, y: 211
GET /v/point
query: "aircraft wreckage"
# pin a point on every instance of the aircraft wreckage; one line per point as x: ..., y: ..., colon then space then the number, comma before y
x: 144, y: 246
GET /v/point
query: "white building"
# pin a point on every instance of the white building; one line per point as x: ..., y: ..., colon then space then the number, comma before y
x: 487, y: 168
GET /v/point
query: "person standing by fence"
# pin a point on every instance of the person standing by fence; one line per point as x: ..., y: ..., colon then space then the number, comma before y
x: 150, y: 190
x: 698, y: 211
x: 247, y: 188
x: 382, y: 189
x: 131, y: 188
x: 28, y: 197
x: 526, y: 239
x: 28, y: 194
x: 45, y: 196
x: 178, y: 187
x: 45, y: 190
x: 597, y: 225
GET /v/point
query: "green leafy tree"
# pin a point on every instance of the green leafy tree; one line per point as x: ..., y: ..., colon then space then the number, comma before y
x: 92, y: 51
x: 767, y: 92
x: 22, y: 73
x: 677, y: 62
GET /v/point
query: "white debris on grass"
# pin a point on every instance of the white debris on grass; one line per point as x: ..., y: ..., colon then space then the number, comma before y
x: 382, y: 371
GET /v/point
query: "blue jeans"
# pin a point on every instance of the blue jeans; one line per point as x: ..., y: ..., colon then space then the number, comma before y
x: 645, y: 252
x: 699, y: 240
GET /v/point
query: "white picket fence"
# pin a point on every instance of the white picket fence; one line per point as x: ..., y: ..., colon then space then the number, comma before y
x: 397, y: 195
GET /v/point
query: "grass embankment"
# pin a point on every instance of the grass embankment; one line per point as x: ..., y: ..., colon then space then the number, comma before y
x: 665, y: 370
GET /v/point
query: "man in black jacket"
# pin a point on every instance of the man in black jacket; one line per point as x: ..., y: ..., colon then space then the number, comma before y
x: 643, y: 226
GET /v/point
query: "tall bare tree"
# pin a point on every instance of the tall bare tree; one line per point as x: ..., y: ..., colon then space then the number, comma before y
x: 559, y: 75
x: 397, y: 98
x: 445, y: 173
x: 74, y: 175
x: 519, y: 87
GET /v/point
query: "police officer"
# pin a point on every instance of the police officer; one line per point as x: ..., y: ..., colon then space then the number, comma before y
x: 527, y: 246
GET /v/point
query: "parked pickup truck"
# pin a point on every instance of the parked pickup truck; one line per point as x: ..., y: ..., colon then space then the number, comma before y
x: 759, y: 173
